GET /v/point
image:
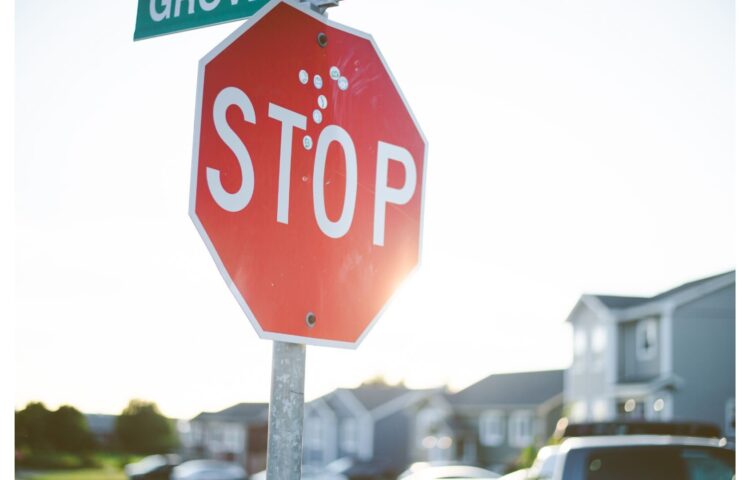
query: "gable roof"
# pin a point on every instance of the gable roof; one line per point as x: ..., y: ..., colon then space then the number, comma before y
x: 373, y: 396
x: 689, y: 285
x: 524, y: 388
x: 240, y: 413
x: 613, y: 301
x: 618, y: 302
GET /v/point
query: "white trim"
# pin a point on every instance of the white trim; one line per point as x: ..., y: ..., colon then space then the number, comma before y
x: 611, y: 367
x: 365, y: 423
x: 399, y: 403
x: 328, y: 24
x: 351, y: 402
x: 366, y: 430
x: 348, y: 436
x: 655, y: 308
x: 592, y: 303
x: 642, y: 389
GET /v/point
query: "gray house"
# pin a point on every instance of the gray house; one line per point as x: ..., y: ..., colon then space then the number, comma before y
x: 667, y: 357
x: 496, y: 418
x: 369, y: 425
x: 102, y: 427
x: 238, y: 433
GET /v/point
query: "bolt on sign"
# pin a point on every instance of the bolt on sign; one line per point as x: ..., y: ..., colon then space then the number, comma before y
x: 308, y: 175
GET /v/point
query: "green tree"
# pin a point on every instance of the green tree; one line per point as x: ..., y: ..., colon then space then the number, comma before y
x: 526, y: 457
x: 31, y: 427
x: 141, y: 428
x: 68, y: 431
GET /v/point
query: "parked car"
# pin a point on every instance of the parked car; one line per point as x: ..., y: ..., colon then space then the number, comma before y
x: 542, y: 468
x: 644, y: 457
x: 208, y: 470
x: 635, y: 450
x: 436, y: 472
x: 152, y: 467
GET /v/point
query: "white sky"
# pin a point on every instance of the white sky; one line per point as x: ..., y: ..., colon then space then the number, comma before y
x: 575, y: 146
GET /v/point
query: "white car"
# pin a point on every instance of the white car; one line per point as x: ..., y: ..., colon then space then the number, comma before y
x: 542, y: 469
x: 208, y: 470
x: 447, y: 471
x: 643, y: 457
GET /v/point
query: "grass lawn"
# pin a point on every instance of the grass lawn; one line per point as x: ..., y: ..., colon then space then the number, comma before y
x: 86, y: 474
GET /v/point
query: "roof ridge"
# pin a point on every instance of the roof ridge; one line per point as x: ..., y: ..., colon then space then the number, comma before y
x: 637, y: 300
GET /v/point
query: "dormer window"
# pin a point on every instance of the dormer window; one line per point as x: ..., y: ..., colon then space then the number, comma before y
x: 647, y: 339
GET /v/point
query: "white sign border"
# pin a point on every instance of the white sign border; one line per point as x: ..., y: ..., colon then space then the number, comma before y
x: 194, y: 177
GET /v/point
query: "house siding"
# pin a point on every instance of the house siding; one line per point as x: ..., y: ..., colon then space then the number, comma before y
x: 498, y: 457
x: 586, y: 380
x: 704, y: 357
x: 392, y: 441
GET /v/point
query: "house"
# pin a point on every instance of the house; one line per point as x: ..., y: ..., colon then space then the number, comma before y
x: 238, y: 433
x: 369, y: 425
x: 666, y: 357
x: 102, y: 427
x: 490, y: 422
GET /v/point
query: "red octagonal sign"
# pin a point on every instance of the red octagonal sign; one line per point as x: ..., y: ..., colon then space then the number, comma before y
x: 308, y: 175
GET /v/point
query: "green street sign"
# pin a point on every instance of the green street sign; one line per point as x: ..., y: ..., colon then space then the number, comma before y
x: 160, y: 17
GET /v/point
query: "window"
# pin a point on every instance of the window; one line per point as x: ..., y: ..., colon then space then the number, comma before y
x: 520, y: 429
x: 579, y: 342
x: 600, y: 409
x: 314, y: 433
x: 348, y: 435
x: 579, y: 411
x: 599, y: 339
x: 598, y: 346
x: 491, y: 428
x: 646, y: 339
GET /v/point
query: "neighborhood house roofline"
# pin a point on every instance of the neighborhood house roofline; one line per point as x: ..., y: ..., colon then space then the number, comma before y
x: 240, y: 413
x: 375, y: 400
x: 523, y: 389
x: 626, y: 308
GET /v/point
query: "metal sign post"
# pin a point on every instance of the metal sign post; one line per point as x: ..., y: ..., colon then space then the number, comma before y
x: 286, y: 412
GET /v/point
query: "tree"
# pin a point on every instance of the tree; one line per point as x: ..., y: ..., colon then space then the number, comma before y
x: 31, y: 427
x: 141, y: 428
x: 68, y: 431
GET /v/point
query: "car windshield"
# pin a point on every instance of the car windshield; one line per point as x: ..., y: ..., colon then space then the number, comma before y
x: 653, y: 462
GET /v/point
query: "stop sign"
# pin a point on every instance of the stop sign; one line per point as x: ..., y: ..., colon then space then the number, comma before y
x: 308, y: 175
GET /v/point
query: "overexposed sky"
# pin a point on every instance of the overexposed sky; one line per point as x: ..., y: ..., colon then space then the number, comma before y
x: 574, y: 146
